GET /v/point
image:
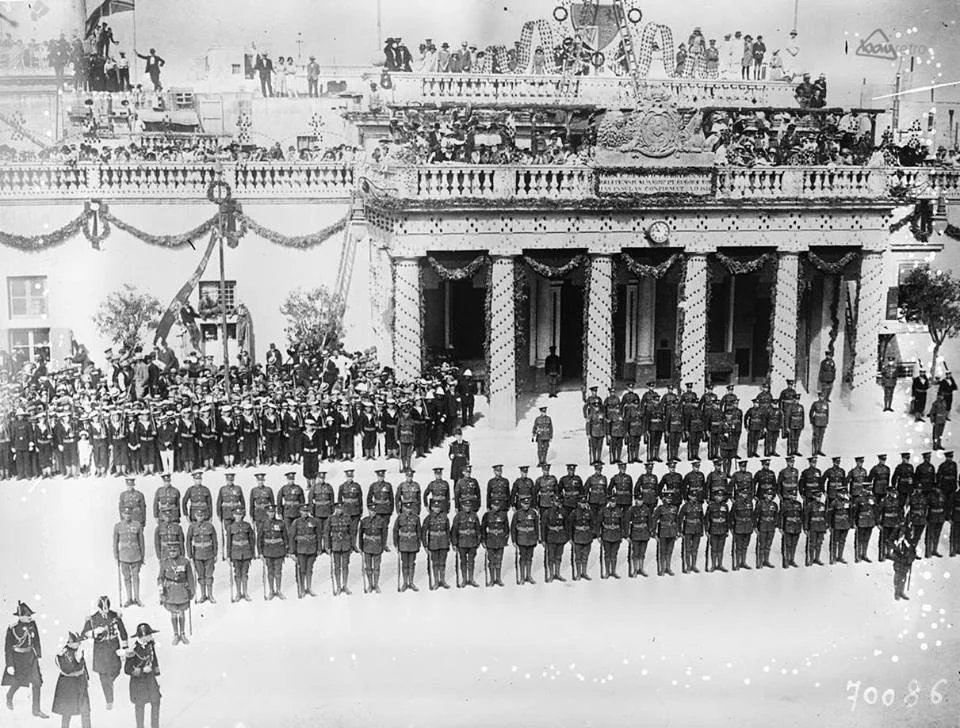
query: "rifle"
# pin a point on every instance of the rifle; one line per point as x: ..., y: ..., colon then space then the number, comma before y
x: 189, y: 618
x: 430, y: 574
x: 119, y: 587
x: 232, y: 600
x: 516, y: 563
x: 263, y: 575
x: 456, y: 554
x: 545, y: 563
x: 398, y: 569
x: 333, y: 585
x: 486, y: 568
x: 296, y: 567
x: 706, y: 554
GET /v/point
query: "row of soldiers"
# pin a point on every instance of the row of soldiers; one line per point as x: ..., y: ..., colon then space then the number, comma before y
x: 304, y: 524
x: 686, y: 417
x: 148, y: 439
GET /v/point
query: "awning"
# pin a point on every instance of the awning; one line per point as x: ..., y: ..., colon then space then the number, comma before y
x: 158, y: 120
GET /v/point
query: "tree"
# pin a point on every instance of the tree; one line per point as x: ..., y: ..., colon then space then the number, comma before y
x: 314, y: 319
x: 126, y: 315
x: 932, y: 298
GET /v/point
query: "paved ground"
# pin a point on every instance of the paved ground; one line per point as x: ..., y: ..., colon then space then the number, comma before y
x: 783, y: 648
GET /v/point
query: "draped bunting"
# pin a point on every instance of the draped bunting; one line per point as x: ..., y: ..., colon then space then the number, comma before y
x: 96, y: 223
x: 457, y: 274
x: 551, y: 272
x: 831, y: 268
x: 738, y: 268
x: 649, y: 271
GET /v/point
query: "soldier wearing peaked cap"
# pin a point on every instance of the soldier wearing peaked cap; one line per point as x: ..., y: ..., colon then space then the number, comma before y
x: 864, y: 514
x: 408, y: 493
x: 791, y: 526
x: 177, y: 586
x: 406, y: 540
x: 380, y: 498
x: 494, y: 535
x: 261, y: 496
x: 466, y: 492
x: 128, y: 552
x: 902, y: 479
x: 525, y: 534
x: 611, y: 532
x: 438, y: 490
x: 241, y: 550
x: 690, y: 523
x: 272, y: 540
x: 840, y: 521
x: 465, y: 538
x: 72, y: 695
x: 229, y: 499
x: 435, y: 536
x: 166, y: 498
x: 197, y: 497
x: 201, y: 549
x: 289, y: 499
x: 109, y: 635
x: 132, y: 500
x: 498, y: 490
x: 373, y: 533
x: 22, y: 654
x: 554, y: 535
x: 339, y: 539
x: 542, y: 435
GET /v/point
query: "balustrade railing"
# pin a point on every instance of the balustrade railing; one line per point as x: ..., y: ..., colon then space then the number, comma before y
x: 177, y: 180
x: 606, y: 91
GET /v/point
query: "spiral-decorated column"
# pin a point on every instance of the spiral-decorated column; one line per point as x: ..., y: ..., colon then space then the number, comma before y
x: 693, y: 308
x: 871, y: 310
x: 599, y: 322
x: 503, y: 356
x: 783, y: 349
x: 408, y: 321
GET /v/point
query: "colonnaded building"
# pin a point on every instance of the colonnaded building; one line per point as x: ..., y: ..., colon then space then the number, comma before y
x: 637, y: 257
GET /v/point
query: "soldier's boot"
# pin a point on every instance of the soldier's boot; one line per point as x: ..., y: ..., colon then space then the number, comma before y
x: 135, y: 583
x: 376, y: 579
x: 346, y: 578
x: 183, y: 629
x: 277, y: 588
x: 743, y: 556
x: 210, y: 593
x: 246, y: 593
x: 640, y: 569
x: 583, y: 571
x: 175, y: 621
x: 497, y: 579
x: 309, y: 584
x: 558, y: 565
x: 367, y: 573
x: 529, y: 569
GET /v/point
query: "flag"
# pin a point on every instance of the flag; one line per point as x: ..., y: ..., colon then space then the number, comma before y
x: 103, y: 8
x: 181, y: 299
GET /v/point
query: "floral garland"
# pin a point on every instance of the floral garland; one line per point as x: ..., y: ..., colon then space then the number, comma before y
x: 163, y: 241
x: 649, y: 271
x: 457, y: 274
x: 905, y: 220
x: 834, y: 314
x: 92, y: 210
x: 301, y: 242
x: 553, y: 273
x: 739, y: 269
x: 35, y: 243
x: 832, y: 268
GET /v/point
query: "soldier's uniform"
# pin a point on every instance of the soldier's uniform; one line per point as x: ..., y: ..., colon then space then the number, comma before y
x: 690, y: 519
x: 815, y: 526
x: 712, y: 422
x: 891, y: 522
x: 925, y: 475
x: 695, y: 425
x: 621, y: 488
x: 459, y: 455
x: 717, y: 482
x: 339, y: 538
x: 109, y: 634
x: 241, y: 550
x: 272, y: 542
x: 742, y: 522
x: 166, y: 498
x: 197, y: 498
x: 939, y: 414
x: 167, y: 532
x: 494, y: 535
x: 953, y: 509
x: 571, y: 488
x: 525, y: 534
x: 498, y: 490
x: 819, y: 419
x: 768, y: 516
x: 320, y: 499
x: 655, y: 426
x: 229, y: 498
x: 128, y: 552
x: 764, y: 480
x: 592, y: 403
x: 616, y: 432
x: 902, y: 479
x: 810, y: 481
x: 610, y: 525
x: 791, y: 526
x: 582, y: 527
x: 202, y: 551
x: 435, y: 536
x: 718, y: 525
x: 729, y: 442
x: 857, y: 479
x: 373, y: 542
x: 634, y: 426
x: 466, y: 492
x: 553, y: 534
x: 542, y: 435
x: 465, y: 538
x: 728, y: 400
x: 408, y: 493
x: 673, y: 422
x: 742, y: 484
x: 350, y: 496
x: 303, y: 543
x: 879, y: 478
x: 132, y: 500
x: 834, y: 480
x: 916, y: 518
x: 794, y: 422
x: 289, y: 499
x: 903, y: 554
x: 670, y: 485
x: 839, y: 519
x: 596, y: 431
x: 406, y: 540
x: 177, y: 587
x: 406, y: 436
x: 438, y: 490
x: 665, y: 518
x: 22, y: 659
x: 773, y: 424
x: 596, y: 490
x: 947, y: 475
x: 788, y: 480
x: 694, y: 482
x: 888, y: 380
x: 637, y: 526
x: 261, y: 497
x: 755, y: 421
x: 864, y: 513
x: 380, y: 496
x: 647, y: 488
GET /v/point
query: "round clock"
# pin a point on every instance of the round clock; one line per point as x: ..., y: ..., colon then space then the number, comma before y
x: 659, y: 232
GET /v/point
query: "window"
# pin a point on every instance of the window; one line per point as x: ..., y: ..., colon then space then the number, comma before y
x: 26, y: 344
x: 905, y: 269
x: 184, y: 100
x: 236, y: 69
x: 27, y: 296
x: 211, y: 332
x: 209, y: 301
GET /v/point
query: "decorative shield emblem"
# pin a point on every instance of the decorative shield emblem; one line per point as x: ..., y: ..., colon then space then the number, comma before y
x: 596, y: 24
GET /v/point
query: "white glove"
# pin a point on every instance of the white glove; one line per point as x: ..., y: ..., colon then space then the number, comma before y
x: 10, y: 671
x: 148, y: 669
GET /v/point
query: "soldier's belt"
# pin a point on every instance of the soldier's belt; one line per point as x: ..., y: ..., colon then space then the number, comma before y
x: 272, y: 540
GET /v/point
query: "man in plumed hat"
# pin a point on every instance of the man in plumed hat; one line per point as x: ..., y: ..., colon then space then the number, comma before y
x: 109, y: 635
x: 22, y: 653
x: 143, y: 668
x: 72, y: 695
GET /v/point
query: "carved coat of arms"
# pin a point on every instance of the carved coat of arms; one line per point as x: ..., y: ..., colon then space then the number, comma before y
x: 656, y: 129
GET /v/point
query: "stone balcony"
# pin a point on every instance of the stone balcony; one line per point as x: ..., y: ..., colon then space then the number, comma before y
x: 177, y: 180
x: 609, y: 92
x: 471, y: 183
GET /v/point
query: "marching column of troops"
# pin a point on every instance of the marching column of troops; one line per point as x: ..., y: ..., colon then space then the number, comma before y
x: 906, y: 505
x: 114, y: 652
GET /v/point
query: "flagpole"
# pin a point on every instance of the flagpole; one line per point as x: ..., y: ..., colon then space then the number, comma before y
x: 133, y: 11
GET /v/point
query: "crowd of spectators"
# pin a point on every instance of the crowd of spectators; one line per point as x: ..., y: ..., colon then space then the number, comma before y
x: 84, y: 419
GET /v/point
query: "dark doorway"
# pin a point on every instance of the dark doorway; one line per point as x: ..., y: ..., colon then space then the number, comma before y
x: 760, y: 361
x: 571, y: 330
x: 467, y: 324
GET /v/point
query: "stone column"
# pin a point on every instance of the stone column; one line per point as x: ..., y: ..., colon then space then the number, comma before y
x: 783, y: 364
x: 647, y: 315
x: 408, y: 324
x: 381, y: 303
x: 503, y: 360
x: 871, y: 310
x: 599, y: 323
x: 547, y: 318
x: 693, y: 347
